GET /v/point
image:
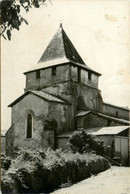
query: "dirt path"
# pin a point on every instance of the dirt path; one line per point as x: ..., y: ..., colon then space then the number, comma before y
x: 113, y: 181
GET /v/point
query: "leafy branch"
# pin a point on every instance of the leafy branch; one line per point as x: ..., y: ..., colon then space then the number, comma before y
x: 11, y: 14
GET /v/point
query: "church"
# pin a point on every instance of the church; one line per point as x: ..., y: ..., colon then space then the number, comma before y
x: 61, y: 96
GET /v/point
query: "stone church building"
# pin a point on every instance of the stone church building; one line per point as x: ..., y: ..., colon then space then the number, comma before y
x: 61, y: 96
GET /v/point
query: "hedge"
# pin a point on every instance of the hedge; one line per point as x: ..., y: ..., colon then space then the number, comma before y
x: 39, y: 171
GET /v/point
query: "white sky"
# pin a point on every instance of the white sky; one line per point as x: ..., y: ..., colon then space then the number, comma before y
x: 100, y: 31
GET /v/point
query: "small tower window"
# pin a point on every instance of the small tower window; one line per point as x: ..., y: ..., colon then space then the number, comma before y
x: 89, y: 76
x: 108, y: 122
x: 29, y: 126
x: 79, y: 74
x: 53, y: 71
x: 38, y: 74
x: 116, y: 113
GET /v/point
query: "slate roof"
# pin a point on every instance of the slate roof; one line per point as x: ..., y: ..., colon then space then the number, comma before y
x: 40, y: 94
x: 65, y: 135
x: 107, y: 130
x: 59, y: 47
x: 114, y: 118
x: 83, y: 113
x: 114, y: 130
x: 60, y: 51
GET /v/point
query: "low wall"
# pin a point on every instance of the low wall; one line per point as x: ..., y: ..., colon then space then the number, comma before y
x: 62, y: 143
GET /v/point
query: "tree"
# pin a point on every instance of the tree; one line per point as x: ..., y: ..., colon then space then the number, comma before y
x: 81, y: 142
x: 11, y: 14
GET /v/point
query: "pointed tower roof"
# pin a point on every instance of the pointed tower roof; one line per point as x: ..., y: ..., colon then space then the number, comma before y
x: 61, y: 47
x: 60, y: 51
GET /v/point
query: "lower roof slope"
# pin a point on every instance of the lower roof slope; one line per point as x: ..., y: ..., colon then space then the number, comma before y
x: 40, y: 94
x: 114, y: 130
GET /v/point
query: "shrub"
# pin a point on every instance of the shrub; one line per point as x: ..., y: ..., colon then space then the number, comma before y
x: 54, y: 169
x: 5, y: 162
x: 81, y: 142
x: 7, y: 184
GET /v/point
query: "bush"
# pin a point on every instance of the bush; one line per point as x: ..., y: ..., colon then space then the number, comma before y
x: 50, y: 170
x: 82, y: 142
x: 5, y: 162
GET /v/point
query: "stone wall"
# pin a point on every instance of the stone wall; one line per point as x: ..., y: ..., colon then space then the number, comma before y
x: 62, y: 116
x: 116, y: 111
x: 67, y: 91
x: 10, y: 136
x: 46, y: 77
x: 66, y: 85
x: 48, y: 118
x: 107, y: 139
x: 92, y: 121
x: 96, y: 121
x: 62, y: 90
x: 64, y: 72
x: 84, y: 76
x: 3, y: 144
x: 88, y: 97
x: 80, y: 96
x: 62, y: 143
x: 129, y: 144
x: 109, y: 144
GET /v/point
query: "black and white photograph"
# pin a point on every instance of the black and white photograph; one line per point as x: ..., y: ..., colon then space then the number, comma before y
x: 65, y: 96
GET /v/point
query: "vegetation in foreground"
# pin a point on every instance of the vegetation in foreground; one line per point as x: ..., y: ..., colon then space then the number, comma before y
x: 44, y: 171
x: 82, y: 142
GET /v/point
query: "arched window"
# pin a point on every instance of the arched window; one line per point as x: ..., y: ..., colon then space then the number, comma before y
x: 29, y: 126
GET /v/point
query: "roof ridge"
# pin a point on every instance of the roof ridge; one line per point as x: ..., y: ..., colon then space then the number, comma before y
x: 35, y: 92
x: 56, y: 97
x: 63, y: 40
x: 71, y: 54
x: 114, y: 118
x: 55, y: 47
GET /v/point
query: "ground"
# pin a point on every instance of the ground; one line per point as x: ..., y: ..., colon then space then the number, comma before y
x: 113, y: 181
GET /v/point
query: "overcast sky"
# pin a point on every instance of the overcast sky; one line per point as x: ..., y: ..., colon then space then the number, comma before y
x: 100, y: 31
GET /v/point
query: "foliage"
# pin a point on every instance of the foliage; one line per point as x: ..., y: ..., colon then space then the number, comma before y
x: 30, y: 155
x: 11, y: 14
x: 5, y: 162
x: 43, y: 171
x: 67, y: 184
x: 81, y: 142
